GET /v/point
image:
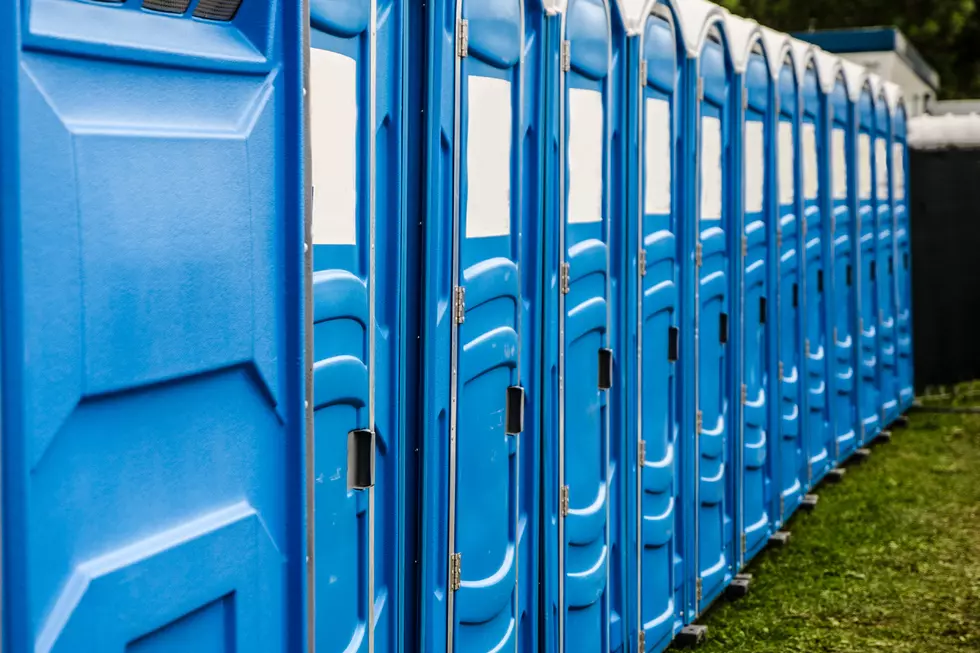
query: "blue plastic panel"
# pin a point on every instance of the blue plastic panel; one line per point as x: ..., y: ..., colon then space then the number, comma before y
x: 868, y: 393
x: 819, y: 437
x: 714, y: 380
x: 842, y: 145
x: 152, y: 260
x: 757, y: 327
x: 356, y: 530
x: 658, y: 388
x: 903, y: 262
x: 589, y: 471
x: 792, y: 457
x: 885, y: 254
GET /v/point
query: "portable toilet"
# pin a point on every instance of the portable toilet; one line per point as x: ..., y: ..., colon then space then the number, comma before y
x: 903, y: 279
x: 479, y: 521
x: 706, y: 286
x: 154, y: 186
x: 752, y: 92
x: 584, y: 511
x: 885, y: 255
x: 818, y: 427
x: 843, y: 302
x: 658, y: 102
x: 862, y: 205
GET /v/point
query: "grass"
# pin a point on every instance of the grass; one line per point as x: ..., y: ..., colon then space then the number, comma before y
x: 889, y: 560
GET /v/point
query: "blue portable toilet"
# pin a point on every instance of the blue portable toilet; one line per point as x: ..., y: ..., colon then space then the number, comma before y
x: 479, y: 512
x: 843, y: 302
x: 818, y: 427
x: 658, y: 103
x: 586, y: 322
x: 154, y: 267
x: 356, y: 60
x: 885, y: 255
x: 903, y: 279
x: 862, y: 204
x: 752, y: 93
x: 705, y: 243
x: 791, y: 450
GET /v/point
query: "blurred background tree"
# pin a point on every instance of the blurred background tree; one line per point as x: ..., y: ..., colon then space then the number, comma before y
x: 946, y: 32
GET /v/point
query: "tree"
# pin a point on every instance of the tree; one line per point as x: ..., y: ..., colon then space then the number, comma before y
x: 946, y: 32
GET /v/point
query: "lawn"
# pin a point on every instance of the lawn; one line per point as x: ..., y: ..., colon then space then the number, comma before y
x: 888, y: 561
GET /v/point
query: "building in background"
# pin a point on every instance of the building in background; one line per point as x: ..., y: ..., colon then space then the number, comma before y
x: 888, y: 53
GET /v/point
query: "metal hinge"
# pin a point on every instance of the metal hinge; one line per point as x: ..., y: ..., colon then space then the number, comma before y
x: 563, y: 501
x: 698, y: 589
x: 745, y: 394
x: 803, y: 227
x: 835, y: 336
x: 699, y: 422
x: 455, y: 571
x: 700, y: 88
x: 697, y: 255
x: 806, y: 347
x: 745, y: 246
x: 833, y: 224
x: 779, y: 239
x: 642, y: 641
x: 641, y: 451
x: 566, y: 55
x: 780, y: 370
x: 643, y: 73
x: 566, y: 278
x: 861, y: 325
x: 745, y: 98
x: 460, y: 304
x: 463, y: 38
x: 881, y: 316
x: 777, y: 105
x: 782, y: 506
x: 744, y: 547
x: 809, y: 471
x: 643, y: 262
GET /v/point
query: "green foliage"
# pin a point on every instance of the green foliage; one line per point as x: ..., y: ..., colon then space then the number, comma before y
x: 889, y: 561
x: 946, y: 32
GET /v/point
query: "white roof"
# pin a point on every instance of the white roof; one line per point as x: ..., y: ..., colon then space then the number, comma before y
x: 555, y: 6
x: 893, y: 95
x: 949, y: 132
x: 742, y: 35
x: 827, y: 67
x: 876, y: 82
x: 776, y: 45
x: 634, y: 11
x: 854, y: 76
x: 802, y: 51
x: 695, y: 17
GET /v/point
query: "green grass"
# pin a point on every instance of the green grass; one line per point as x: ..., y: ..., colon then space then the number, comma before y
x: 889, y: 560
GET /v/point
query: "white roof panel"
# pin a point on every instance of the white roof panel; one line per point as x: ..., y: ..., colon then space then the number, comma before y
x: 742, y: 35
x: 802, y: 51
x: 777, y: 45
x: 695, y: 18
x: 827, y: 67
x: 854, y: 76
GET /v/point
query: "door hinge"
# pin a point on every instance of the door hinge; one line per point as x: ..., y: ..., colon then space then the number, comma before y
x: 881, y: 316
x: 809, y: 472
x: 460, y: 304
x: 463, y: 38
x: 697, y: 585
x: 699, y: 422
x: 745, y: 394
x: 780, y: 370
x: 835, y: 336
x: 833, y: 224
x: 744, y: 541
x: 745, y: 98
x: 745, y: 246
x: 777, y: 105
x: 803, y: 227
x: 782, y: 505
x: 697, y: 255
x: 455, y: 571
x: 643, y: 73
x: 563, y: 501
x: 779, y: 239
x: 861, y: 325
x: 700, y: 88
x: 642, y: 262
x: 806, y: 347
x: 642, y: 641
x: 566, y: 55
x: 566, y: 278
x: 641, y: 451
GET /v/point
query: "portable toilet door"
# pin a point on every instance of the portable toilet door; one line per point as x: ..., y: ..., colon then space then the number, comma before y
x: 154, y: 262
x: 751, y: 92
x: 844, y: 303
x: 885, y: 255
x: 474, y: 517
x: 706, y: 42
x: 660, y: 552
x: 792, y: 453
x: 819, y: 434
x: 590, y: 605
x: 355, y: 122
x: 903, y: 279
x: 868, y: 395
